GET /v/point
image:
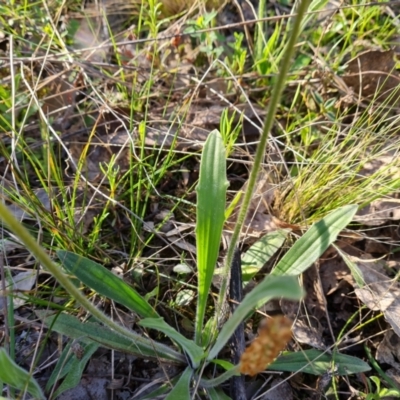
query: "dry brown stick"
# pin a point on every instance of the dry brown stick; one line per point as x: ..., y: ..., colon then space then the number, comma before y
x: 237, y: 342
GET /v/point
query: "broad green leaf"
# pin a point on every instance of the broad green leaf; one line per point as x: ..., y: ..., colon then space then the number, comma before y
x: 271, y: 287
x: 317, y: 362
x: 105, y: 283
x: 211, y: 199
x: 142, y: 347
x: 76, y: 368
x: 314, y: 242
x: 15, y: 376
x: 181, y: 390
x: 217, y: 394
x: 195, y: 352
x: 260, y: 252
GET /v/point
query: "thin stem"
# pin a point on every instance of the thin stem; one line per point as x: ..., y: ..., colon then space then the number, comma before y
x: 378, y: 369
x: 25, y: 237
x: 269, y: 120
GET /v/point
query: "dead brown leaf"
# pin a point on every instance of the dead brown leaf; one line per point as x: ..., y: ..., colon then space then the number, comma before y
x: 379, y: 212
x: 388, y: 351
x: 373, y: 75
x: 258, y: 221
x: 379, y: 293
x: 309, y: 335
x: 334, y: 275
x: 280, y: 389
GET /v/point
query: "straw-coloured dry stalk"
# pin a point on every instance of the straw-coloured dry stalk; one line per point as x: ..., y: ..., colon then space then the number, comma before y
x: 272, y: 339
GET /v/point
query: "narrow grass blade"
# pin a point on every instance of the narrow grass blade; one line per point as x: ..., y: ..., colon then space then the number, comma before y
x: 15, y: 376
x: 260, y: 252
x: 162, y: 389
x: 317, y: 362
x: 143, y: 347
x: 105, y: 283
x: 314, y: 242
x: 76, y: 368
x: 62, y: 367
x: 195, y: 352
x: 271, y: 287
x: 211, y: 199
x: 181, y: 390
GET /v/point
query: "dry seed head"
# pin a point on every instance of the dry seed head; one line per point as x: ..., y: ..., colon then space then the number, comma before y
x: 272, y: 339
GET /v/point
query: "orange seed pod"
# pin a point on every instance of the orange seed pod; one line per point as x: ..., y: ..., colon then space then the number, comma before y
x: 272, y: 339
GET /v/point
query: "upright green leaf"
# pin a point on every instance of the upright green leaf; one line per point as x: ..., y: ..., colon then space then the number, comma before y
x: 105, y: 283
x: 271, y: 287
x: 314, y: 242
x: 181, y: 390
x: 15, y: 376
x: 211, y: 199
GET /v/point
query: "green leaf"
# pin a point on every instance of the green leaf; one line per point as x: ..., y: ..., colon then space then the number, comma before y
x: 142, y: 347
x: 105, y: 283
x: 62, y: 367
x: 355, y: 271
x: 314, y: 242
x: 226, y: 365
x: 220, y: 379
x: 15, y: 376
x: 160, y: 390
x: 195, y: 352
x: 317, y: 362
x: 211, y: 200
x: 181, y: 390
x: 76, y: 368
x: 271, y: 287
x: 260, y: 252
x: 217, y: 394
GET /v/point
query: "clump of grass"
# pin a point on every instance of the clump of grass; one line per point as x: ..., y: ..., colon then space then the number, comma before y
x: 342, y: 163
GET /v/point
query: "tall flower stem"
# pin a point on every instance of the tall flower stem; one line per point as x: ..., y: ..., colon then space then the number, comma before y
x: 261, y: 148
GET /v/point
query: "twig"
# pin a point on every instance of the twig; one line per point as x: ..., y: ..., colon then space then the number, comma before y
x: 237, y: 342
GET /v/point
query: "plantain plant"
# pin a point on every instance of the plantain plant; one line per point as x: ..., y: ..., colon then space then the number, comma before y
x: 193, y: 355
